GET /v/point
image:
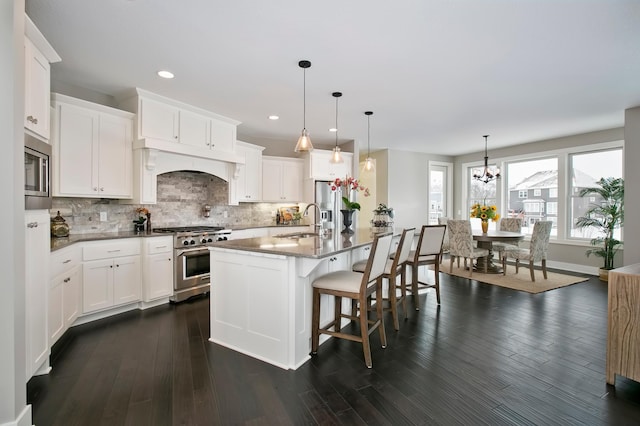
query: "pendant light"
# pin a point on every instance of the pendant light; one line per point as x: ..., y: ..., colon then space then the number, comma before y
x: 304, y: 142
x: 336, y: 157
x: 368, y: 163
x: 487, y: 174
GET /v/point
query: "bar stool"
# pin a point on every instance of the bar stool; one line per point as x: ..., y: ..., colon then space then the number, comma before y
x: 395, y: 266
x: 428, y: 252
x: 354, y: 286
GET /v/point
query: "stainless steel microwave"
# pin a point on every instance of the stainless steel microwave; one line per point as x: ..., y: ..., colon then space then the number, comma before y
x: 37, y: 173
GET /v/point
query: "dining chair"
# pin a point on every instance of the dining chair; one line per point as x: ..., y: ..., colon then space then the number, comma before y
x: 394, y: 267
x: 427, y: 252
x: 445, y: 241
x: 461, y: 240
x: 537, y: 250
x: 360, y: 287
x: 510, y: 224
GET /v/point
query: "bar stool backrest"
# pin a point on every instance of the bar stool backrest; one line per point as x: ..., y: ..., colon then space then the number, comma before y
x: 431, y: 238
x: 404, y: 247
x: 377, y: 259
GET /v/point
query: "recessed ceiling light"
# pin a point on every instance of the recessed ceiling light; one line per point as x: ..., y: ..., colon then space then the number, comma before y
x: 333, y: 129
x: 165, y: 74
x: 273, y: 117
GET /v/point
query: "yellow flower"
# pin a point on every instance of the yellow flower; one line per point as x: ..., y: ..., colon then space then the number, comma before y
x: 483, y: 208
x: 483, y: 216
x: 494, y: 208
x: 496, y: 218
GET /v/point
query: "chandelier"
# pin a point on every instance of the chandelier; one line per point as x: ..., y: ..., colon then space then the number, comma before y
x: 487, y: 174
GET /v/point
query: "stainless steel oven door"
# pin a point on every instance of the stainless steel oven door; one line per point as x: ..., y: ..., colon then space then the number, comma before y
x: 192, y: 268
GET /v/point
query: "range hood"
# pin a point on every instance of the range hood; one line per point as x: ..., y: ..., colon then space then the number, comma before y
x: 153, y: 157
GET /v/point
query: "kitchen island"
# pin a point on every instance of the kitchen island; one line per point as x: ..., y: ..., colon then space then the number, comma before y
x: 261, y: 291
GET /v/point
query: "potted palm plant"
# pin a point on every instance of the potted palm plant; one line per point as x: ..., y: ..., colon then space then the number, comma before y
x: 606, y: 215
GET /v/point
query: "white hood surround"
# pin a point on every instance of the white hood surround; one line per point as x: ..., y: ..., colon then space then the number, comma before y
x: 154, y: 157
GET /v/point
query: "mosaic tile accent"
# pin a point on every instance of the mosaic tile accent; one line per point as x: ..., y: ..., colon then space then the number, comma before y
x: 181, y: 197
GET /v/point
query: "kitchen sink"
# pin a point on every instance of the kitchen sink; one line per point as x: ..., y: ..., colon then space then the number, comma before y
x: 297, y: 235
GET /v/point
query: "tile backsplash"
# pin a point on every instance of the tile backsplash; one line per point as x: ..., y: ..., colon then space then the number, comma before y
x: 181, y: 198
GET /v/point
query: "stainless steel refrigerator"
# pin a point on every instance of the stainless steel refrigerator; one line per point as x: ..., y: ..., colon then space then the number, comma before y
x: 326, y: 199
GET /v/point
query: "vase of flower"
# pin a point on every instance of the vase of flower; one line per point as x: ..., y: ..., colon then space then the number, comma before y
x: 347, y: 220
x: 485, y: 226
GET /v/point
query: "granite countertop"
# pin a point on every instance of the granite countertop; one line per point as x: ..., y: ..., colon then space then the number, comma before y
x: 58, y: 243
x: 313, y: 247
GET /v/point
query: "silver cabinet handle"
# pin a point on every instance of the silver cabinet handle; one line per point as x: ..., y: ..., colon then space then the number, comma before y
x: 113, y: 251
x: 32, y: 225
x: 159, y: 247
x: 95, y: 188
x: 66, y: 280
x: 67, y: 261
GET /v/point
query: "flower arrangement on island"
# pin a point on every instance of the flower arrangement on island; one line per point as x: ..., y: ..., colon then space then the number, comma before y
x: 349, y: 184
x: 484, y: 212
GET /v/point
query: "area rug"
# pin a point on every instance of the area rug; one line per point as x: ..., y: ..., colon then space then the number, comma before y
x: 521, y: 281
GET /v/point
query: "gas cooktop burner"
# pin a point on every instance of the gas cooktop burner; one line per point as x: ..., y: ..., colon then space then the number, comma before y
x: 195, y: 228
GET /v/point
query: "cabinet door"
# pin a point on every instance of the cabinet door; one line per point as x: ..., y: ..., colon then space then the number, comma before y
x: 37, y: 246
x: 271, y: 180
x: 253, y: 175
x: 158, y: 276
x: 127, y: 286
x: 115, y: 151
x: 77, y: 157
x: 97, y: 285
x: 194, y: 129
x: 291, y: 181
x: 223, y: 136
x: 37, y: 88
x: 56, y: 314
x: 71, y: 296
x: 158, y: 120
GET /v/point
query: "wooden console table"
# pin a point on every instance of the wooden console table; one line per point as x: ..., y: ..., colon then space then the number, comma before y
x: 623, y: 338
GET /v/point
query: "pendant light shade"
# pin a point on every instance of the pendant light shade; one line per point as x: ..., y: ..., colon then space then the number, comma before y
x: 304, y: 142
x: 368, y: 163
x: 336, y: 157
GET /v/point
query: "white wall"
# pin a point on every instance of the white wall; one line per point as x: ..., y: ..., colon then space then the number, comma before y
x: 407, y: 186
x: 631, y: 253
x: 12, y: 302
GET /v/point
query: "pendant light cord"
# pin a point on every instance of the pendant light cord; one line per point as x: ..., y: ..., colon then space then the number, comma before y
x: 304, y: 98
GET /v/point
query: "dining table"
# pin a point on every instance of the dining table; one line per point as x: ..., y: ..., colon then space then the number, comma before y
x: 486, y: 240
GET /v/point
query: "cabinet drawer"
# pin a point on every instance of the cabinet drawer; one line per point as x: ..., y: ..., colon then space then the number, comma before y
x: 111, y: 249
x: 158, y: 245
x: 64, y: 260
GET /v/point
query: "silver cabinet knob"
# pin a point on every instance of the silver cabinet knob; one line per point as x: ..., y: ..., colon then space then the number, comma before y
x: 101, y: 189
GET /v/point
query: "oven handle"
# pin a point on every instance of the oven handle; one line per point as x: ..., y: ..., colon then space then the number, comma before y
x: 183, y: 252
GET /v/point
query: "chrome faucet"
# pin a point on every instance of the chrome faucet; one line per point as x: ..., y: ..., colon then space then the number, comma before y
x: 319, y: 217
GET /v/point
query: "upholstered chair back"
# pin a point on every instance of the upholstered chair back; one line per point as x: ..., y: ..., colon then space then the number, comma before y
x: 540, y: 240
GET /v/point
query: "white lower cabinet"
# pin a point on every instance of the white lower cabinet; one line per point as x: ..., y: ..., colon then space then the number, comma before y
x: 64, y: 302
x: 157, y: 268
x: 111, y: 274
x: 37, y: 246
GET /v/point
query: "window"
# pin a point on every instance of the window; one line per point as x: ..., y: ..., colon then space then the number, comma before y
x: 553, y: 192
x: 552, y: 207
x: 480, y: 192
x: 522, y: 175
x: 585, y: 169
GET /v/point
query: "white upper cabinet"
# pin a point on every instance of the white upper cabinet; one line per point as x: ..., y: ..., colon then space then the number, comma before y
x: 92, y: 150
x: 282, y: 179
x: 320, y: 168
x: 168, y: 120
x: 249, y: 177
x: 38, y: 55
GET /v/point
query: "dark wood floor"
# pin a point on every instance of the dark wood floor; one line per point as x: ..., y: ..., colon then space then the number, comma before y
x: 488, y: 355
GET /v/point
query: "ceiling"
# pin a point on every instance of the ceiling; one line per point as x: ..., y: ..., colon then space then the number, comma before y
x: 437, y: 74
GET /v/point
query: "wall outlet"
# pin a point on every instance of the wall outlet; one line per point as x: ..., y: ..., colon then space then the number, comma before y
x: 103, y: 216
x: 225, y: 214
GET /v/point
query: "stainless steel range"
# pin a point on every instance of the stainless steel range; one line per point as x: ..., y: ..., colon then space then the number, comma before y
x: 191, y: 269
